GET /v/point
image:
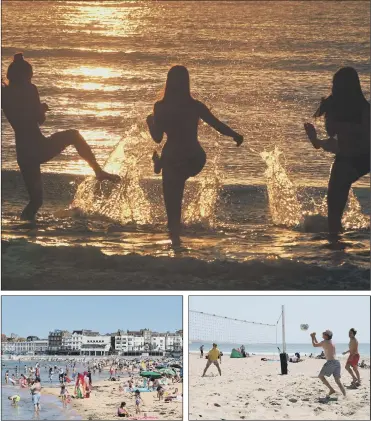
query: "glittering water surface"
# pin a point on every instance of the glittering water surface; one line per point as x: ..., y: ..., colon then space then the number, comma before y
x: 100, y: 67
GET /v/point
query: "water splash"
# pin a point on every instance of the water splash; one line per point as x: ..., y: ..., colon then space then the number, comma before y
x: 204, y: 193
x: 287, y: 210
x: 284, y: 204
x: 125, y: 202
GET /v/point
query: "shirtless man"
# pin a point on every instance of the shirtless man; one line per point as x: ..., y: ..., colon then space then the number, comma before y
x: 353, y: 359
x: 332, y: 365
x: 212, y: 358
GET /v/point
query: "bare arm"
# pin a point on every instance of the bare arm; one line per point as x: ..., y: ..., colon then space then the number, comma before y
x: 40, y: 109
x: 329, y: 145
x: 157, y: 133
x: 208, y: 117
x: 315, y: 343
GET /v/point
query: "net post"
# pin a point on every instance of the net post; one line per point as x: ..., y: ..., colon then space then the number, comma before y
x: 283, y: 355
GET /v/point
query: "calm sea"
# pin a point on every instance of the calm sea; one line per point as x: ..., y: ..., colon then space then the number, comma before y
x: 271, y: 349
x: 261, y: 66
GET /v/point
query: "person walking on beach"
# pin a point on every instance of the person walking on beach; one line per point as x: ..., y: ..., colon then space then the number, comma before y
x: 201, y: 351
x: 212, y: 358
x: 347, y: 119
x: 352, y: 363
x: 36, y: 394
x: 332, y: 366
x: 7, y: 377
x: 178, y: 114
x: 25, y: 113
x: 138, y: 401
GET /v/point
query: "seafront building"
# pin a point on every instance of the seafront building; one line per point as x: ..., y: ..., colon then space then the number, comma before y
x: 89, y: 343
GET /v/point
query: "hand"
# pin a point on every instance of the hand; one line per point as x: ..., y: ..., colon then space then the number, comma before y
x: 313, y: 334
x: 45, y: 107
x: 311, y: 132
x: 150, y: 120
x: 238, y: 139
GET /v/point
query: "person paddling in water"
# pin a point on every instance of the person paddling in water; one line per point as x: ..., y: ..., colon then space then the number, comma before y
x: 178, y: 115
x: 347, y: 119
x: 25, y: 113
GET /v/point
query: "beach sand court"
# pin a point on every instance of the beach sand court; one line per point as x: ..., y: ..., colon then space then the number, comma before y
x: 106, y: 398
x: 253, y: 389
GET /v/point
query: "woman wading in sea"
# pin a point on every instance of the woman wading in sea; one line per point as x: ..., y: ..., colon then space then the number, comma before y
x: 178, y: 115
x: 347, y: 118
x: 25, y: 113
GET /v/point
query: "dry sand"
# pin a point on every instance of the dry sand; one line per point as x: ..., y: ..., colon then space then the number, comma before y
x: 252, y: 389
x: 106, y: 398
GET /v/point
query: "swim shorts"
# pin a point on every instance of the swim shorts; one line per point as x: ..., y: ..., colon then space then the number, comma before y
x: 330, y: 368
x: 353, y: 360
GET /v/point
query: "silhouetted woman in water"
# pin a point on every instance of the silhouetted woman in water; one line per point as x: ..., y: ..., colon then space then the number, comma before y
x: 24, y: 111
x: 347, y: 118
x: 178, y: 115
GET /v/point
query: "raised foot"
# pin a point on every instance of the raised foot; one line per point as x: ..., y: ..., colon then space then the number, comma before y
x: 103, y: 175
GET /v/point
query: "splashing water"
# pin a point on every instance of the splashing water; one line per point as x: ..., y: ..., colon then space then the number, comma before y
x: 286, y: 209
x: 125, y: 202
x: 128, y: 201
x: 204, y: 194
x: 284, y: 204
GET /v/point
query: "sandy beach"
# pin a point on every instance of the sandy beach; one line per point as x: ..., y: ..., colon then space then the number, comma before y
x: 106, y: 398
x: 253, y: 389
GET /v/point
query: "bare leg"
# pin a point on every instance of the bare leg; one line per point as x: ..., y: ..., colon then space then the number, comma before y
x: 32, y: 178
x: 350, y: 371
x: 173, y: 187
x: 343, y: 174
x: 207, y: 366
x: 326, y: 383
x: 341, y: 387
x: 59, y: 141
x: 356, y: 371
x: 218, y: 367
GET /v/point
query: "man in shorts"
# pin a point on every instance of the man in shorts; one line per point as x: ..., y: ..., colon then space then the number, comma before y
x: 332, y: 366
x: 212, y: 358
x: 353, y: 360
x: 201, y: 351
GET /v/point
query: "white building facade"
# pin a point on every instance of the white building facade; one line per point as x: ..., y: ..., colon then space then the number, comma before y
x: 25, y: 347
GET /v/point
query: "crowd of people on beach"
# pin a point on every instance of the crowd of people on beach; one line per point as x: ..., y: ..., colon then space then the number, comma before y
x: 133, y: 376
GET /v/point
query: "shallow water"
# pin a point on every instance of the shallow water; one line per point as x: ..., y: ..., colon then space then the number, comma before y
x: 261, y: 204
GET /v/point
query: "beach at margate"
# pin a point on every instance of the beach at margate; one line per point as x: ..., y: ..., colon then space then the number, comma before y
x: 113, y: 381
x: 250, y: 388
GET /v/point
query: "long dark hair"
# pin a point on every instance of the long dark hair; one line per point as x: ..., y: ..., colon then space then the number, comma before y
x: 346, y: 102
x: 19, y: 71
x: 178, y: 87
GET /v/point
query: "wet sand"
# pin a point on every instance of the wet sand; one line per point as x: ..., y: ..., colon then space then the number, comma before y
x: 28, y: 266
x: 253, y: 389
x: 105, y: 399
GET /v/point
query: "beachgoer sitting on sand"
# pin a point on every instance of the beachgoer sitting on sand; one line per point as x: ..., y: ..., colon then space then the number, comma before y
x: 212, y: 358
x: 178, y: 115
x: 353, y: 359
x: 15, y: 399
x: 347, y: 118
x: 332, y: 365
x: 122, y: 410
x: 138, y: 401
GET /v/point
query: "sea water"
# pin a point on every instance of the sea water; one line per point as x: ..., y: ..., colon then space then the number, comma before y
x: 270, y: 349
x: 101, y: 68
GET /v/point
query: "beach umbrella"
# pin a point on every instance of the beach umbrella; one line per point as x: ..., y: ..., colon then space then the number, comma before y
x: 150, y: 374
x: 167, y: 371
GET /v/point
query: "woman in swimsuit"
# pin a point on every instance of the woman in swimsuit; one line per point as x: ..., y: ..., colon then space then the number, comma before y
x: 347, y: 118
x: 25, y: 113
x: 178, y: 115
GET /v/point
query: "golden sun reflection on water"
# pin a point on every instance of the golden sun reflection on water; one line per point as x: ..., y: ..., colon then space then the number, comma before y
x: 100, y: 72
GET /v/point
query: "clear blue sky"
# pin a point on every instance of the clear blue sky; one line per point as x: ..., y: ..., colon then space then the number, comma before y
x: 37, y: 315
x: 336, y: 313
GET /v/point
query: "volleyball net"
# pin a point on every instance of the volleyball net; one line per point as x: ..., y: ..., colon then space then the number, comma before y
x: 209, y: 328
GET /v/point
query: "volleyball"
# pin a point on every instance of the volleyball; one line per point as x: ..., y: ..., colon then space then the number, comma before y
x: 304, y: 327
